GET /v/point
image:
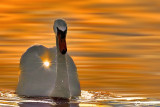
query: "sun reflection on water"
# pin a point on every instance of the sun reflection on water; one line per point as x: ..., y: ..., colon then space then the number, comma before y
x: 87, y: 99
x: 115, y: 44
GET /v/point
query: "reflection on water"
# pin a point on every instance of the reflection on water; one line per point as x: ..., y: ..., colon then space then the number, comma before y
x: 87, y: 99
x: 115, y: 44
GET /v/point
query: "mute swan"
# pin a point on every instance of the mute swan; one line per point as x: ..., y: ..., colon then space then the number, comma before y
x: 49, y: 72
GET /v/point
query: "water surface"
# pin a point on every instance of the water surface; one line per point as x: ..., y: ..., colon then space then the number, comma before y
x: 115, y: 44
x: 87, y: 99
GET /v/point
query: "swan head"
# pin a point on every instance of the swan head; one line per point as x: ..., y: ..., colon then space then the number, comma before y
x: 59, y: 24
x: 60, y: 29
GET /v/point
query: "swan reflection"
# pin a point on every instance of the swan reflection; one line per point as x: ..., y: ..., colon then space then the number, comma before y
x: 45, y: 103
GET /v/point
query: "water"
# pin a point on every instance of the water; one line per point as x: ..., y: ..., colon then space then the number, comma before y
x: 88, y: 98
x: 115, y: 44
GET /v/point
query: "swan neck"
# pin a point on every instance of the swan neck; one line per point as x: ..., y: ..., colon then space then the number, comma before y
x: 57, y: 44
x: 57, y: 47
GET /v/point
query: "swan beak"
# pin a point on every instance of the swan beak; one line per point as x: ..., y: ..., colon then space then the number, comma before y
x: 62, y: 42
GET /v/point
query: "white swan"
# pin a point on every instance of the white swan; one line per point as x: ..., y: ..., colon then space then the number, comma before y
x: 49, y: 72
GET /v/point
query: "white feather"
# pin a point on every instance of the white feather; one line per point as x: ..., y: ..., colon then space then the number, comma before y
x: 58, y: 79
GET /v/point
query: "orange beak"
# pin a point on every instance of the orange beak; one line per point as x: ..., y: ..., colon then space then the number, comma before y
x: 62, y: 44
x: 62, y: 41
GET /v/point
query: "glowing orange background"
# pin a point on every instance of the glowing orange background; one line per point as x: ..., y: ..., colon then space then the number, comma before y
x: 114, y: 43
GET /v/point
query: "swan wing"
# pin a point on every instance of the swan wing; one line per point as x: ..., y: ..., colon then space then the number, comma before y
x: 35, y: 79
x: 74, y: 85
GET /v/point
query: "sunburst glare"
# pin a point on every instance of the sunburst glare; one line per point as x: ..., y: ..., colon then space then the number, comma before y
x: 46, y: 63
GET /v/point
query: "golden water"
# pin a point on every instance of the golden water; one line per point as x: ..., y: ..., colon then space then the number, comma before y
x: 114, y: 43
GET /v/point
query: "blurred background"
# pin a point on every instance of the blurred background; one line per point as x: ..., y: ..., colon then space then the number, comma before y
x: 114, y: 43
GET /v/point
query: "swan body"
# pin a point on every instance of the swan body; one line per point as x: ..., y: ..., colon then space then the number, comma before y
x: 55, y: 78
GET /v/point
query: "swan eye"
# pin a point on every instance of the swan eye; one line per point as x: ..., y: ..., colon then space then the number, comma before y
x: 46, y: 63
